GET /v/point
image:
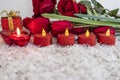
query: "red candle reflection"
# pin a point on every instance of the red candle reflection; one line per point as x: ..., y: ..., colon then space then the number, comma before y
x: 6, y: 36
x: 20, y: 38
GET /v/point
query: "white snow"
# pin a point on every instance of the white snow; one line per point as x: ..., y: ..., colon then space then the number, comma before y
x: 77, y: 62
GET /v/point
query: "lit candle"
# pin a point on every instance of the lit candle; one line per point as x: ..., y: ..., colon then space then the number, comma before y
x: 43, y: 39
x: 20, y: 38
x: 107, y: 38
x: 18, y: 32
x: 87, y: 38
x: 66, y: 38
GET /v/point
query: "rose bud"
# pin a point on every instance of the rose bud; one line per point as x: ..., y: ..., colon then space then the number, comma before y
x: 59, y: 27
x: 38, y: 24
x: 26, y: 21
x: 68, y: 7
x: 103, y: 29
x: 43, y: 6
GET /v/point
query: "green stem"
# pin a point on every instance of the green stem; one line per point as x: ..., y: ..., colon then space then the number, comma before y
x: 84, y: 21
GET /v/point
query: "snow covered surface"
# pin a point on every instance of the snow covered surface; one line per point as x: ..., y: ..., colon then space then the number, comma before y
x: 77, y: 62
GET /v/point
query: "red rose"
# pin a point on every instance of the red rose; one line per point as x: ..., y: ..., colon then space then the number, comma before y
x: 59, y: 27
x: 38, y: 24
x: 103, y: 29
x: 79, y: 30
x: 26, y: 21
x: 43, y: 6
x: 53, y: 1
x: 68, y: 7
x: 82, y: 8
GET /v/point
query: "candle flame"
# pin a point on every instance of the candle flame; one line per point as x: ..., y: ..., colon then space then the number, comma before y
x: 66, y: 32
x: 43, y: 33
x: 108, y: 32
x: 87, y: 33
x: 18, y: 32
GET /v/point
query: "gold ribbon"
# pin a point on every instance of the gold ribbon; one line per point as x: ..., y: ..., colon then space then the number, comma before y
x: 10, y: 19
x: 10, y: 23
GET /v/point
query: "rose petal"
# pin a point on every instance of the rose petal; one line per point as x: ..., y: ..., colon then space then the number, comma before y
x: 26, y: 21
x: 59, y: 27
x: 76, y: 7
x: 103, y: 29
x: 68, y: 7
x: 43, y: 6
x: 79, y: 30
x: 82, y: 8
x: 38, y: 24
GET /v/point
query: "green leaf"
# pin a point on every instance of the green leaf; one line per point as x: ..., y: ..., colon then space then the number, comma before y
x: 89, y: 11
x: 114, y: 12
x: 99, y: 5
x: 99, y: 8
x: 84, y: 21
x: 117, y: 16
x: 86, y: 3
x: 94, y: 2
x: 95, y: 12
x: 97, y: 17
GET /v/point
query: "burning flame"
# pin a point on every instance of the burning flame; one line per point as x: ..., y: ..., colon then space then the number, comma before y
x: 66, y: 32
x: 43, y: 33
x: 108, y: 32
x: 18, y: 31
x: 87, y: 33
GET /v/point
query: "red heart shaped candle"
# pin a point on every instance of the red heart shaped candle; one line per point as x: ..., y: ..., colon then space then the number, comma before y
x: 107, y: 38
x: 87, y: 38
x: 43, y: 39
x: 66, y: 38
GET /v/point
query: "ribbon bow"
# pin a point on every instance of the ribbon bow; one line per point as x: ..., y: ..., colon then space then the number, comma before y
x: 10, y: 15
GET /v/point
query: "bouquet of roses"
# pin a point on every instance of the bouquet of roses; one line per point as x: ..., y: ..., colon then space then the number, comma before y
x: 77, y: 17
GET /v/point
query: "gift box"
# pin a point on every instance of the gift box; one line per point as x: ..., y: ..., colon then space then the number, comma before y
x: 11, y: 20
